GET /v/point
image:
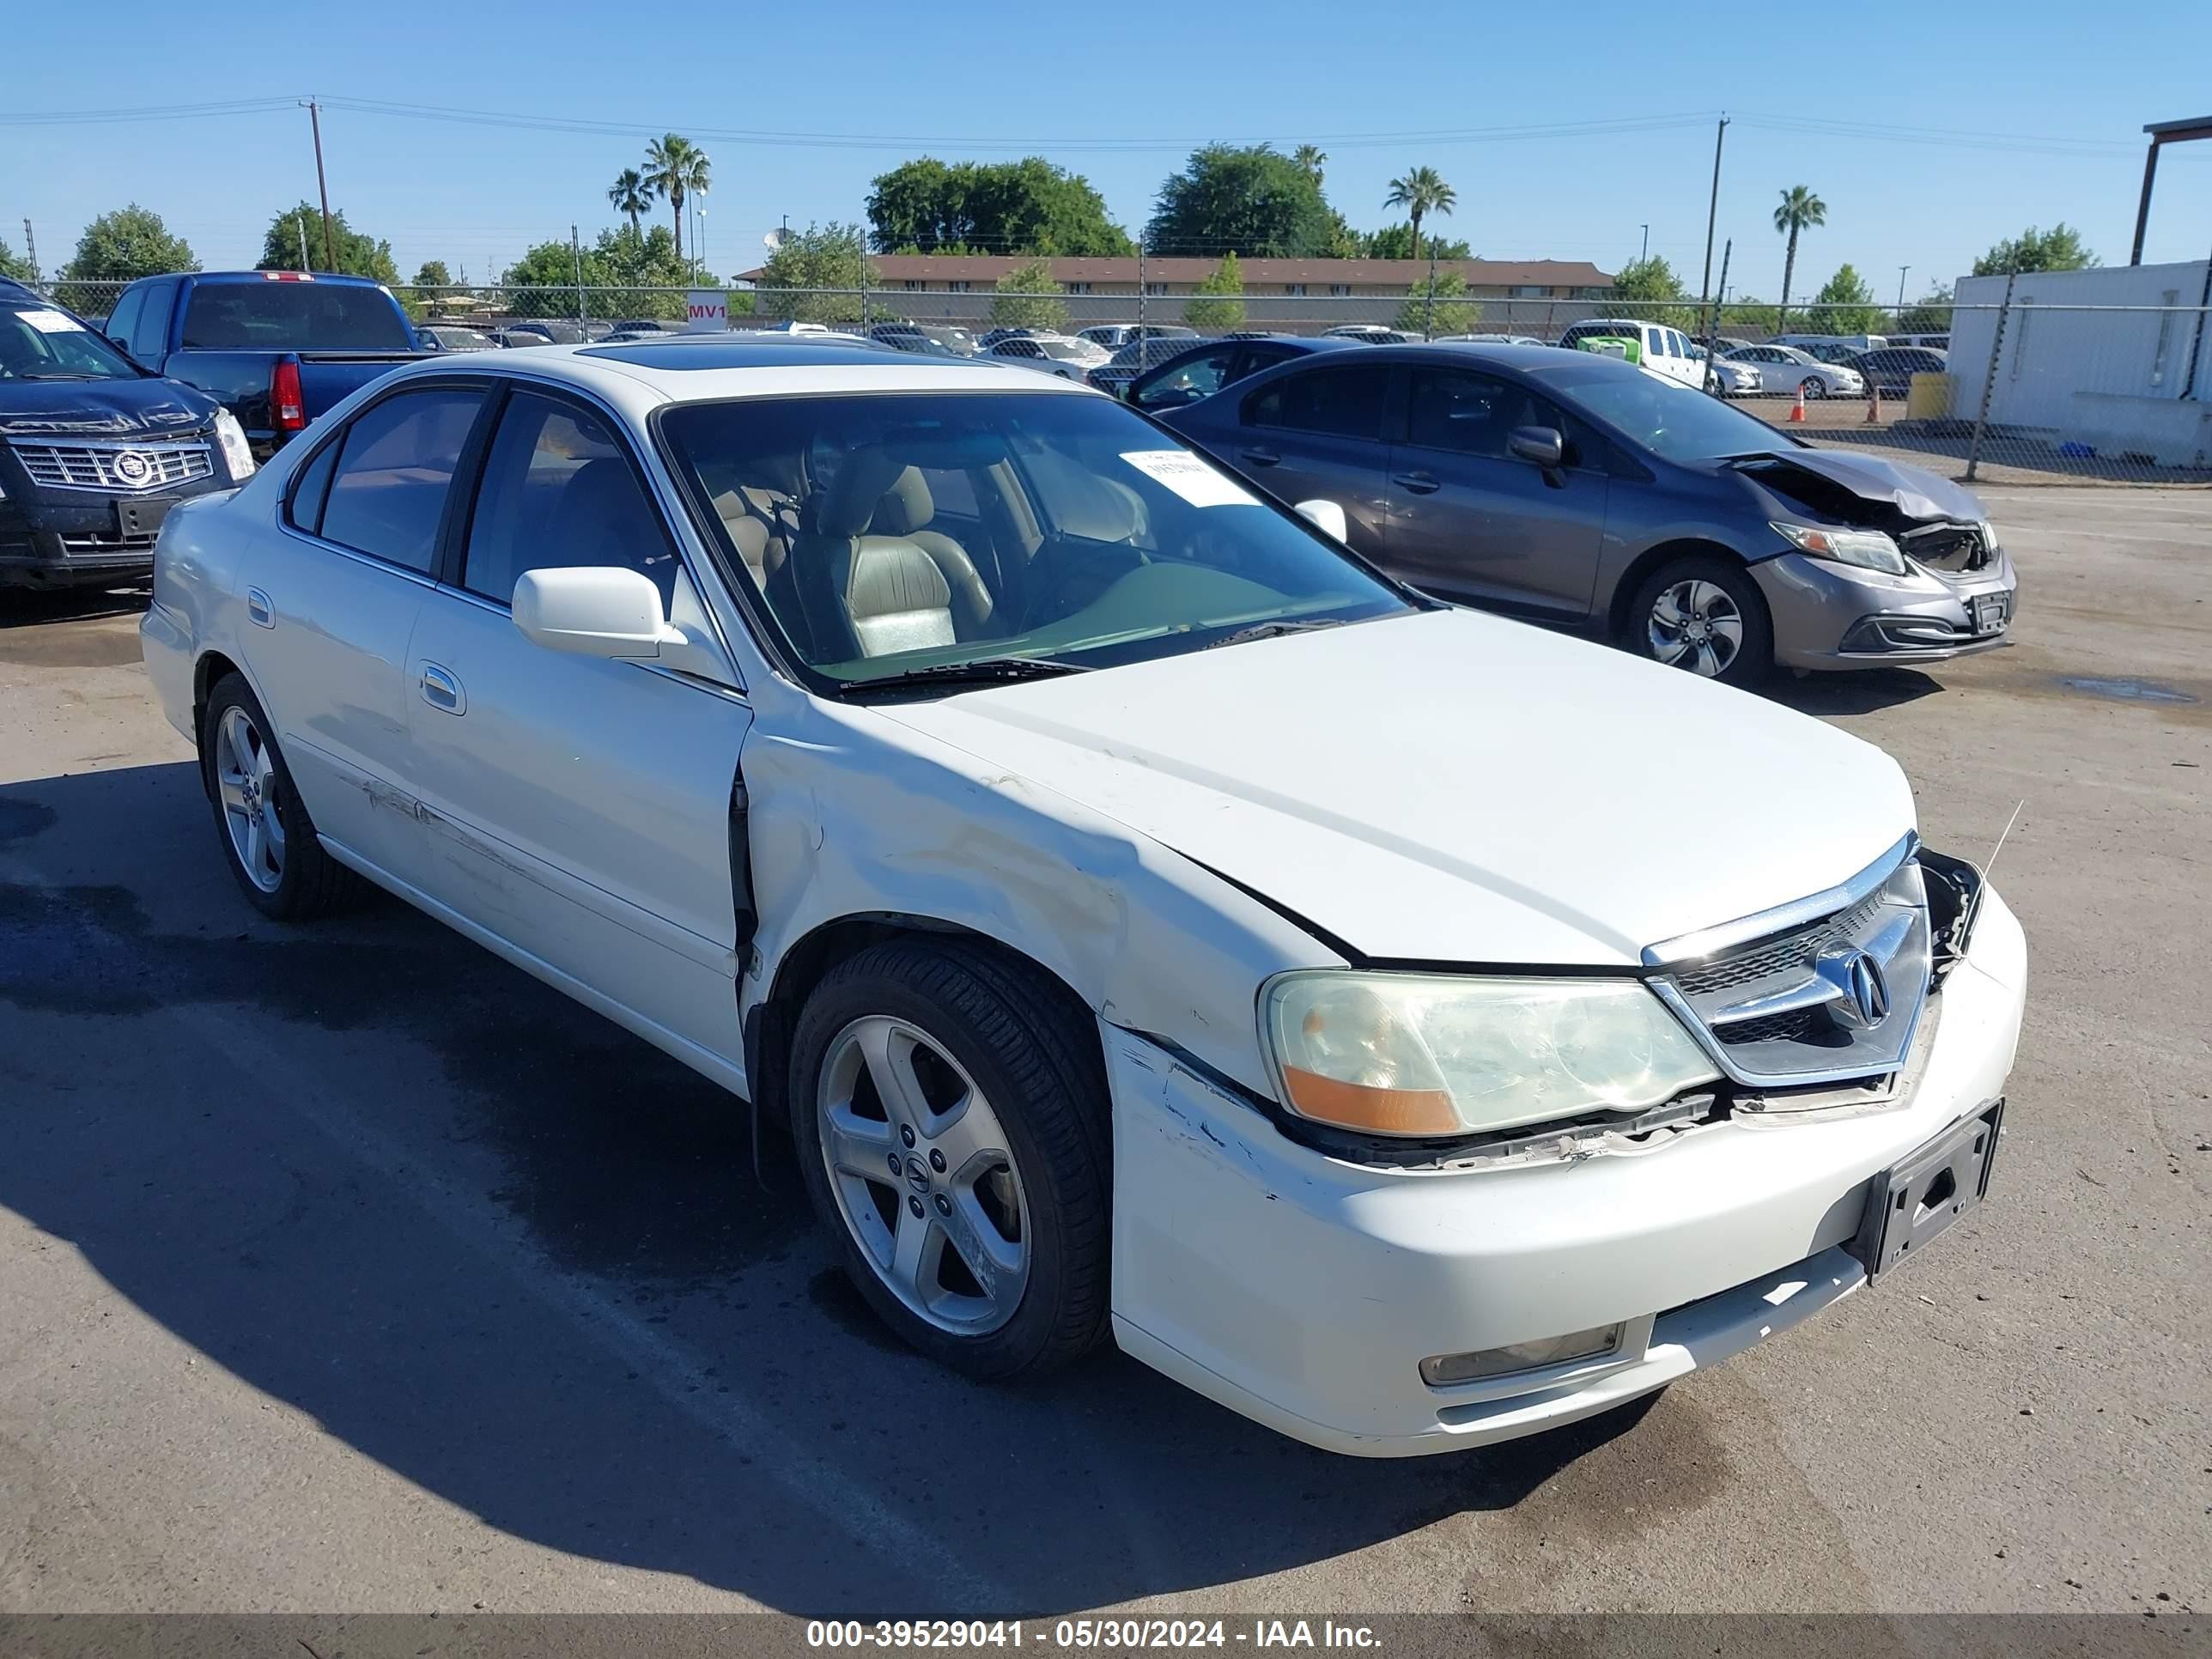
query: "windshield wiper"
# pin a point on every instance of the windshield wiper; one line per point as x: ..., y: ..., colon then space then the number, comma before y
x: 983, y: 671
x: 60, y: 374
x: 1268, y: 630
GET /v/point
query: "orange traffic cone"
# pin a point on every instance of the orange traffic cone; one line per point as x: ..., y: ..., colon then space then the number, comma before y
x: 1797, y: 409
x: 1873, y: 403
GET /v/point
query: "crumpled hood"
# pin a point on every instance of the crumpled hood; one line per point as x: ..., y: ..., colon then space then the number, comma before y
x: 102, y: 408
x: 1453, y: 787
x: 1913, y: 490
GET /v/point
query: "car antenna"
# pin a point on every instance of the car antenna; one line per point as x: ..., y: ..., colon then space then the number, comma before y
x: 2002, y: 834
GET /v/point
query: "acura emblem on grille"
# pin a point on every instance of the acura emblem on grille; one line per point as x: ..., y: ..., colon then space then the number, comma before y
x: 1863, y: 989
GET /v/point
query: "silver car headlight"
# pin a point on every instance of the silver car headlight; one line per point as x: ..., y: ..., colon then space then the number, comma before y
x: 1453, y: 1054
x: 1870, y: 549
x: 237, y: 453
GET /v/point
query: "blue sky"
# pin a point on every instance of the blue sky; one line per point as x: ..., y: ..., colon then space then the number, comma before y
x: 2057, y: 98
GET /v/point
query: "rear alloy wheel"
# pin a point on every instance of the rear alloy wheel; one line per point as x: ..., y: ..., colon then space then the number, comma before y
x: 951, y: 1119
x: 1813, y: 387
x: 1707, y: 617
x: 273, y: 851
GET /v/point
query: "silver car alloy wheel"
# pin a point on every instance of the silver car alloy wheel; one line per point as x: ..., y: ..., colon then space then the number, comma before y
x: 1695, y: 625
x: 245, y: 783
x: 1813, y: 387
x: 923, y: 1176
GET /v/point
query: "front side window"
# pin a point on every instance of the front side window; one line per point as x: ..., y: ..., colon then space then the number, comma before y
x: 1185, y: 382
x: 387, y: 493
x: 559, y: 491
x: 1664, y: 418
x: 1343, y: 403
x: 1079, y: 533
x: 1468, y: 414
x: 149, y: 335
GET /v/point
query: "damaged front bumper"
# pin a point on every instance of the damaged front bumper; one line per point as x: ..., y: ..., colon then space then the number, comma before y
x: 1305, y: 1291
x: 1828, y: 615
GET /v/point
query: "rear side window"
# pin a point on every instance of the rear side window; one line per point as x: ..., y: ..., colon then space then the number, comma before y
x: 388, y: 491
x: 559, y: 491
x: 311, y: 486
x: 1344, y: 402
x: 292, y: 317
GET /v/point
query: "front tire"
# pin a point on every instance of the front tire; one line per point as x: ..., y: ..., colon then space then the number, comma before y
x: 268, y: 839
x: 1813, y: 387
x: 1706, y: 615
x: 952, y: 1124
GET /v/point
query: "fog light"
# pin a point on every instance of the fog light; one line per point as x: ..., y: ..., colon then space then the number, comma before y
x: 1444, y: 1369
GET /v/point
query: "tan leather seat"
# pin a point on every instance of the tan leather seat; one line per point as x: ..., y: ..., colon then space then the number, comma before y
x: 860, y: 594
x: 905, y: 512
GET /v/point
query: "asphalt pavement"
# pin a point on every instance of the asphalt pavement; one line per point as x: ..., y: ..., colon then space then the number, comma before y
x: 347, y: 1268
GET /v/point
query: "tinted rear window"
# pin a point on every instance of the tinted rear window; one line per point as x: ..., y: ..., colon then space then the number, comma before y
x: 294, y: 317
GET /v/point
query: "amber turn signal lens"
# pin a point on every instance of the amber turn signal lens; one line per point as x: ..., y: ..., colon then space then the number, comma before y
x: 1357, y: 1106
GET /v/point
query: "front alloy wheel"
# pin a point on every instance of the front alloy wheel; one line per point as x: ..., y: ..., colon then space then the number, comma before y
x: 922, y: 1175
x: 1813, y: 387
x: 1694, y: 624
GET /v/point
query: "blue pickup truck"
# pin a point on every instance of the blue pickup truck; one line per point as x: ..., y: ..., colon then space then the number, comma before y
x: 275, y: 347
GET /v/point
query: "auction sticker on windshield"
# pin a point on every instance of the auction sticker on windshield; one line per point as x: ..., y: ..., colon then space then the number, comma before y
x: 1190, y: 477
x: 52, y: 322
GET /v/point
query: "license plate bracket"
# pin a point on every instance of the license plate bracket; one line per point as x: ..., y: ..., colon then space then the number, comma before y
x: 141, y: 518
x: 1927, y: 1190
x: 1990, y: 612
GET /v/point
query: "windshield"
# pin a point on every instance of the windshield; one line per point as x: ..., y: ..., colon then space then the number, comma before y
x: 294, y: 317
x: 1678, y: 421
x: 38, y: 342
x: 888, y: 533
x: 1064, y: 349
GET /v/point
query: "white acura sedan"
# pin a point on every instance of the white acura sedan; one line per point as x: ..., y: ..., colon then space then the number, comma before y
x: 1147, y: 917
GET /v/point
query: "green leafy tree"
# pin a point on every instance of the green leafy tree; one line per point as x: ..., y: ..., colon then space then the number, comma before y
x: 1311, y: 158
x: 1344, y: 242
x: 618, y: 271
x: 1929, y: 314
x: 1800, y: 210
x: 675, y: 169
x: 1212, y: 310
x: 1027, y: 297
x: 359, y: 254
x: 831, y: 256
x: 1421, y: 191
x: 1028, y: 206
x: 432, y: 273
x: 121, y: 247
x: 2058, y: 248
x: 1749, y: 315
x: 1650, y: 289
x: 1848, y: 304
x: 1396, y: 242
x: 631, y: 195
x: 1252, y: 198
x: 1439, y: 305
x: 12, y: 265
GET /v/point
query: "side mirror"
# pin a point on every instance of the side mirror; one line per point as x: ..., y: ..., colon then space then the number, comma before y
x: 1540, y: 445
x: 1326, y: 517
x: 592, y: 610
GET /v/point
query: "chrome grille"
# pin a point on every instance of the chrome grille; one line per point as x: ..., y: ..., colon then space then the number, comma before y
x: 1789, y: 1003
x: 109, y: 541
x: 104, y: 467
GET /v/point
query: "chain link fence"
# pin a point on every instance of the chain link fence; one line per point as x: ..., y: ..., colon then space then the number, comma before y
x: 2002, y: 390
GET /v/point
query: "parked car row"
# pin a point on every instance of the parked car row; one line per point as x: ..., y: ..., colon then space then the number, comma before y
x: 1093, y: 862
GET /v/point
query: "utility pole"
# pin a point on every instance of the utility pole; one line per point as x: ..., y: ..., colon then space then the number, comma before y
x: 1901, y: 270
x: 1141, y: 300
x: 1646, y: 254
x: 299, y: 224
x: 329, y: 243
x: 31, y: 252
x: 576, y: 252
x: 1713, y: 324
x: 1712, y: 211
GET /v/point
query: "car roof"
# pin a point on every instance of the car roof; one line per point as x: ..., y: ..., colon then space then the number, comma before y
x: 277, y: 276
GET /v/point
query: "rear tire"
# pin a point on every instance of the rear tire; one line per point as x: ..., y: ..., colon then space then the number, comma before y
x: 268, y: 840
x: 969, y: 1194
x: 1813, y: 387
x: 1705, y: 614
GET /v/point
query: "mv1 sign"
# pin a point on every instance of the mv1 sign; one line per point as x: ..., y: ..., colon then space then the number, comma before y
x: 707, y: 311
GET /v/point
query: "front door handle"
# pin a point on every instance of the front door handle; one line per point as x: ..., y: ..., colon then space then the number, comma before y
x: 1421, y: 483
x: 1259, y: 457
x: 442, y: 691
x: 259, y: 610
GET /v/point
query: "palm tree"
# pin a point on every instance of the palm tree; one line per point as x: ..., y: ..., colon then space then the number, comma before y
x: 1421, y: 191
x: 1310, y: 157
x: 676, y: 167
x: 1800, y: 210
x: 631, y: 195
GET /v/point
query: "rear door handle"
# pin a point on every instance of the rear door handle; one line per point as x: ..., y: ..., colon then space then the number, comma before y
x: 259, y: 610
x: 442, y: 691
x: 1421, y: 484
x: 1259, y: 457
